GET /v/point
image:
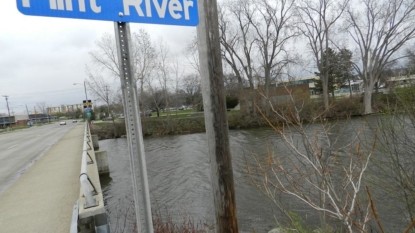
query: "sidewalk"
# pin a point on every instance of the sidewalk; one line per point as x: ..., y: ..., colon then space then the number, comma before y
x: 42, y: 199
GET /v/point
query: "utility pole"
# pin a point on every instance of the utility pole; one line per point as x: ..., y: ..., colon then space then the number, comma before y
x: 34, y: 111
x: 8, y: 110
x: 214, y: 103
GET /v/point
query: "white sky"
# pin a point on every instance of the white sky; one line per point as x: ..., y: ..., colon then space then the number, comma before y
x: 41, y: 57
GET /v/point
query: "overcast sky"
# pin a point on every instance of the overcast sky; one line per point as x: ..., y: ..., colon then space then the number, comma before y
x: 41, y: 57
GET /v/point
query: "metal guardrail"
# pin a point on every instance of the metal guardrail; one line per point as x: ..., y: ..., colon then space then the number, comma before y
x: 86, y: 183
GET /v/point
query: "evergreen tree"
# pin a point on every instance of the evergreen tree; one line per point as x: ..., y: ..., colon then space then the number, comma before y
x: 344, y: 71
x: 328, y: 63
x: 339, y: 66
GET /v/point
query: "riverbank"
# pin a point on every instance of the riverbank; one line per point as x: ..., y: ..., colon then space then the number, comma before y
x: 194, y: 122
x: 174, y: 126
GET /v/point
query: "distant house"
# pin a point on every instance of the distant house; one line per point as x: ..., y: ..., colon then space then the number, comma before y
x: 249, y: 98
x: 309, y: 80
x: 401, y: 81
x: 356, y: 86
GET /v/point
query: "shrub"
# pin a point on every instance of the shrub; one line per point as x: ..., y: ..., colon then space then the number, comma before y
x: 231, y: 101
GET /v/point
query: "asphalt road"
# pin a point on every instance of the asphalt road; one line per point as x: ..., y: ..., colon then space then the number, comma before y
x: 21, y: 148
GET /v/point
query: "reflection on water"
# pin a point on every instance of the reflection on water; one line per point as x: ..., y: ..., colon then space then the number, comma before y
x: 179, y: 177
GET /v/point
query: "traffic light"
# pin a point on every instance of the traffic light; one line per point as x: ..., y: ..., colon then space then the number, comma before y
x: 87, y: 103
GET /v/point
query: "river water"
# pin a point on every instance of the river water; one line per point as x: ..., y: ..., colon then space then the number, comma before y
x: 179, y: 180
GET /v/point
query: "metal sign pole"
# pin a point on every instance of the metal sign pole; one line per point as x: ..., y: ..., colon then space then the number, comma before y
x: 134, y: 130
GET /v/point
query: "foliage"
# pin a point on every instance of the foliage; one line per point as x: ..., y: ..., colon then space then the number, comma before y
x: 405, y: 96
x: 337, y: 65
x: 231, y: 101
x: 394, y: 165
x: 297, y: 224
x: 122, y: 219
x: 314, y: 169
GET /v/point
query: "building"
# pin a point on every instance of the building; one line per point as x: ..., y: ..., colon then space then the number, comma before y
x: 355, y: 85
x: 65, y: 108
x: 309, y: 80
x: 6, y: 121
x: 401, y: 81
x: 249, y: 99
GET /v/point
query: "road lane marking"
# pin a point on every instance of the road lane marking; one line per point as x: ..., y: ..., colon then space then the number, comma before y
x: 12, y: 146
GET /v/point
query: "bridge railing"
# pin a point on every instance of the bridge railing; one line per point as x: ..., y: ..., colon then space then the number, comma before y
x: 86, y: 183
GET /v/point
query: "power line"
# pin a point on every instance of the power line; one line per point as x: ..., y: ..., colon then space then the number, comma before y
x: 47, y: 92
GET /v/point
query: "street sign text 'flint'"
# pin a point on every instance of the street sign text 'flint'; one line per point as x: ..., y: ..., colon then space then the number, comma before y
x: 170, y: 12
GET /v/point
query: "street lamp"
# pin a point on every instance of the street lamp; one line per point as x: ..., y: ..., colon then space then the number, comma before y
x: 86, y: 96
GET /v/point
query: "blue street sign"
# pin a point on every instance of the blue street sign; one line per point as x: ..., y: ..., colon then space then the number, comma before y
x: 170, y: 12
x: 88, y: 110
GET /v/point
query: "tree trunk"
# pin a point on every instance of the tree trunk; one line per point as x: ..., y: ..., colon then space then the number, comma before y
x: 367, y: 98
x: 324, y: 82
x: 267, y: 85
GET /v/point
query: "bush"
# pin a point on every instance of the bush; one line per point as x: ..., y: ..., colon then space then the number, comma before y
x: 231, y: 101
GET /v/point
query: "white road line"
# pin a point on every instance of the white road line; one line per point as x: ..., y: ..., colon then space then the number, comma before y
x: 12, y: 146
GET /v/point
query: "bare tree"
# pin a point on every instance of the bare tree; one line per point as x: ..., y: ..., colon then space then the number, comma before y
x: 102, y: 89
x: 379, y: 29
x: 42, y: 107
x: 177, y: 72
x: 315, y: 170
x: 262, y: 33
x: 192, y: 54
x: 238, y: 44
x: 106, y: 56
x: 143, y: 53
x: 237, y: 40
x: 145, y: 57
x: 273, y: 33
x: 393, y: 170
x: 192, y: 88
x: 164, y: 69
x: 155, y: 97
x: 317, y: 20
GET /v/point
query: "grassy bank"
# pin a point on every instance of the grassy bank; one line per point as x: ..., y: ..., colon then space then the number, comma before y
x: 174, y: 125
x: 189, y: 121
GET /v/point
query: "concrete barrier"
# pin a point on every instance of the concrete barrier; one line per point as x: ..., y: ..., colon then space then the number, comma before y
x: 102, y: 162
x: 95, y: 141
x: 93, y: 218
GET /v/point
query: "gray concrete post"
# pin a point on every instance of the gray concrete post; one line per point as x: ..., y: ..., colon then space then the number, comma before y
x: 102, y: 162
x: 214, y: 104
x: 95, y: 142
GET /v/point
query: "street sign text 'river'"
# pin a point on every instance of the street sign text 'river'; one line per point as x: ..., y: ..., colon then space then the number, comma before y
x: 170, y: 12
